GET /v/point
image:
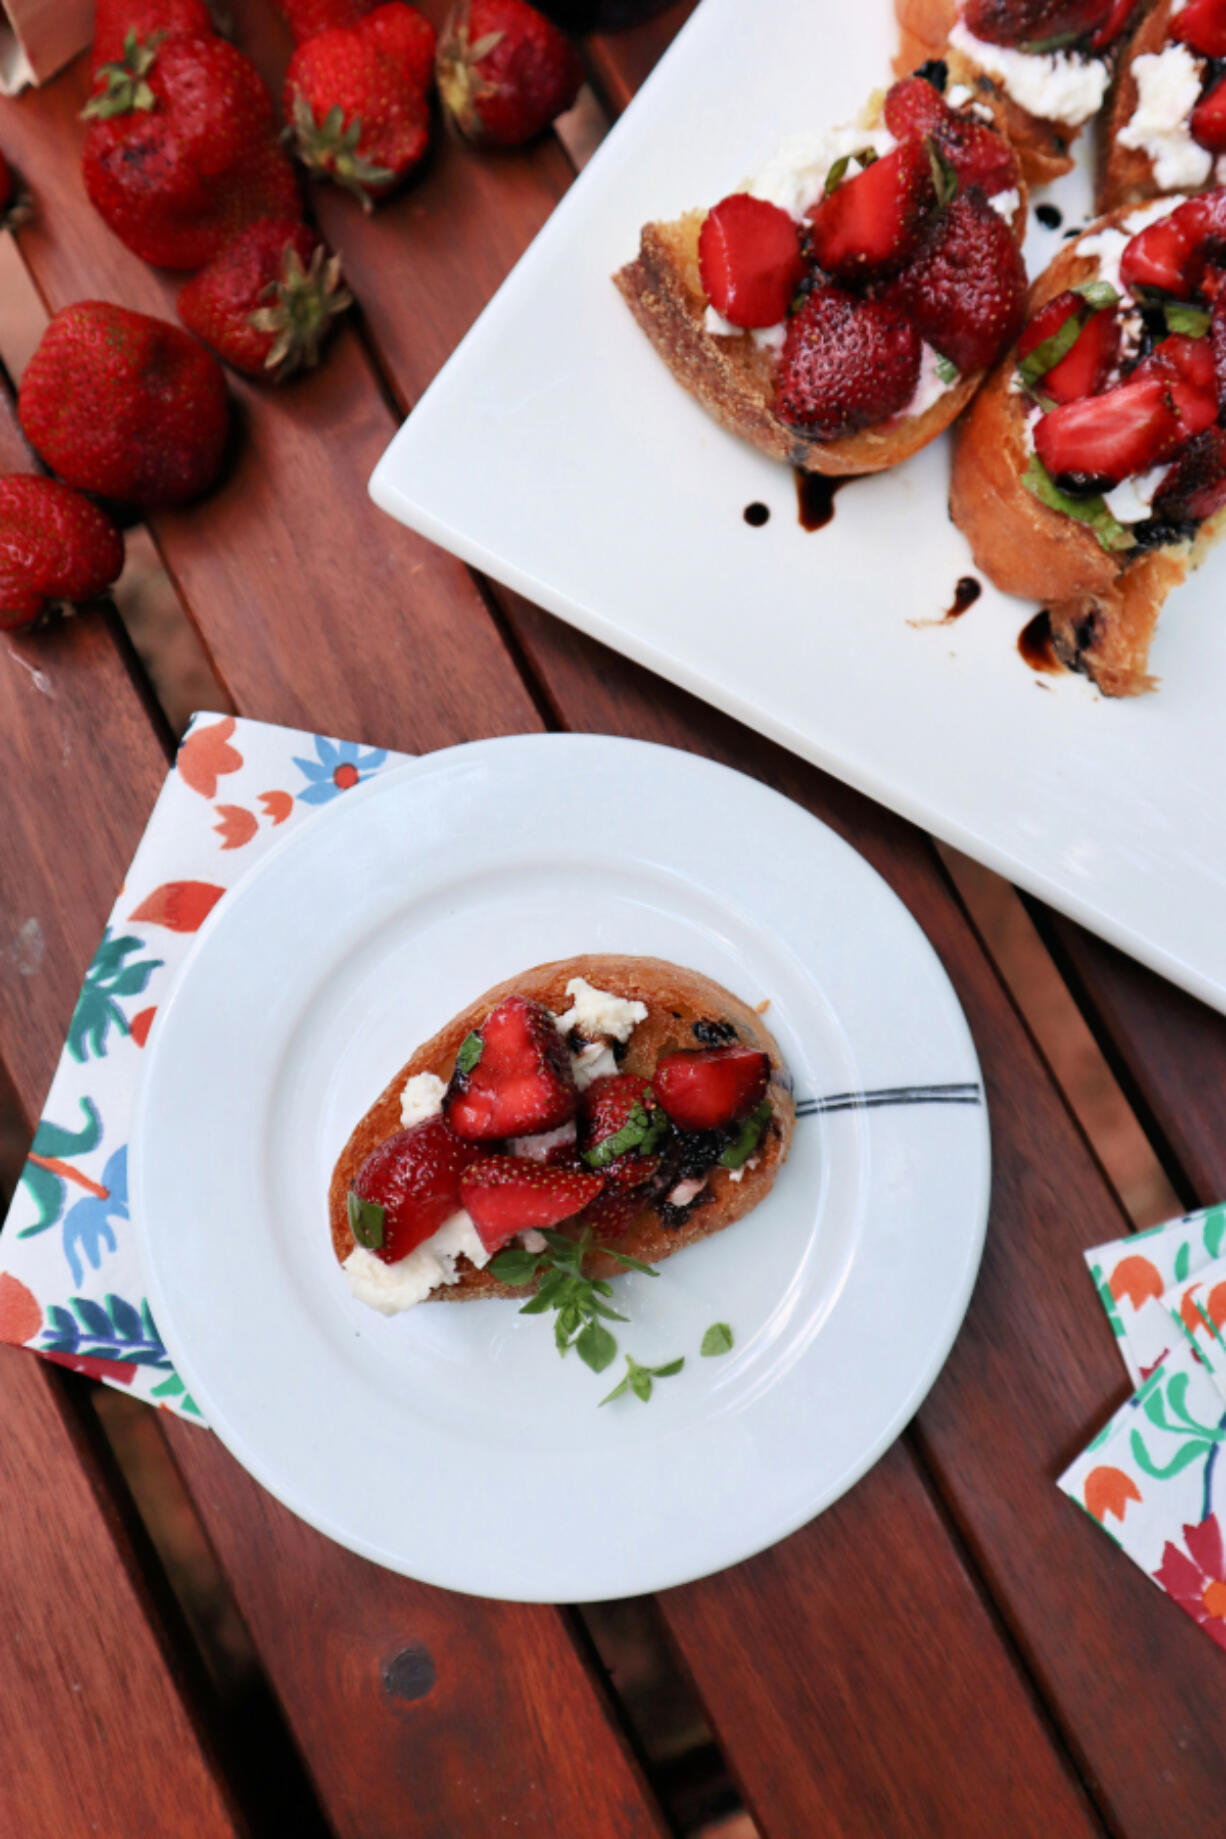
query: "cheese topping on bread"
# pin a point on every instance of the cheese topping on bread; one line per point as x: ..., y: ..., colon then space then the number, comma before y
x: 1062, y: 86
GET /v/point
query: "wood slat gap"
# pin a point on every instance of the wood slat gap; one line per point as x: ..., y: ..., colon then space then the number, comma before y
x: 1184, y: 1191
x: 662, y: 1723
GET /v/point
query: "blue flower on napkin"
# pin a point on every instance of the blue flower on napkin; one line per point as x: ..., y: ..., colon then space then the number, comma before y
x: 340, y: 765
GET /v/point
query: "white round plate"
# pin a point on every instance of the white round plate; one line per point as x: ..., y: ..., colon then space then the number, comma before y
x: 452, y: 1443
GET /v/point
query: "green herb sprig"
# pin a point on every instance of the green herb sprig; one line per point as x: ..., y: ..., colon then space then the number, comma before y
x: 642, y: 1130
x: 471, y: 1049
x: 1191, y: 321
x: 639, y: 1379
x: 716, y: 1341
x: 580, y: 1303
x: 746, y: 1141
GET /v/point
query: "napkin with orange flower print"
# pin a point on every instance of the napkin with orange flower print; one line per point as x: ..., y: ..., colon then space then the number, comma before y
x: 1154, y: 1477
x: 71, y: 1282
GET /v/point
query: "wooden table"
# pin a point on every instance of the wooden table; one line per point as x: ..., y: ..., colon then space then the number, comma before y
x: 953, y: 1649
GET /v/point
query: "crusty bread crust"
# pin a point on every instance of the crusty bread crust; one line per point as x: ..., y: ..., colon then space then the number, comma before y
x: 675, y: 999
x: 1103, y: 606
x: 1126, y: 174
x: 735, y: 381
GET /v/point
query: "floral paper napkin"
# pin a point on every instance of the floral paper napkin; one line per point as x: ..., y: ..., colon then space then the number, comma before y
x: 1153, y: 1477
x: 71, y: 1285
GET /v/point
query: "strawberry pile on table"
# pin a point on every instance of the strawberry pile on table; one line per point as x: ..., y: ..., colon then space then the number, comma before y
x: 519, y: 1147
x: 903, y: 249
x: 184, y: 158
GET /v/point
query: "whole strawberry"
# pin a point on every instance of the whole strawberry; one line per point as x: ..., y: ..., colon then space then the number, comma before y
x: 54, y: 545
x: 114, y: 19
x: 267, y: 302
x: 505, y: 71
x: 182, y: 150
x: 126, y: 406
x: 358, y: 102
x: 308, y: 18
x: 965, y: 291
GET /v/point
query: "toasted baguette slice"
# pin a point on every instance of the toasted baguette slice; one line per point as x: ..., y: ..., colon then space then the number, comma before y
x: 924, y: 27
x: 1126, y: 174
x: 735, y: 381
x: 675, y: 1000
x: 1104, y: 606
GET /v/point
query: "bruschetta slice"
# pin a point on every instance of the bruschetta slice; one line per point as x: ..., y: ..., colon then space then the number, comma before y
x: 841, y: 309
x: 1165, y: 130
x: 621, y: 1095
x: 1090, y: 473
x: 1050, y: 62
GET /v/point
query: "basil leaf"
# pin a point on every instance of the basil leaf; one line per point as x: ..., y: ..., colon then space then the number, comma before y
x: 610, y: 1315
x: 632, y: 1264
x: 566, y: 1327
x: 367, y: 1221
x: 864, y: 156
x: 1039, y: 47
x: 640, y: 1383
x: 1092, y: 512
x: 471, y: 1049
x: 629, y: 1137
x: 1047, y: 355
x: 716, y: 1341
x: 738, y: 1153
x: 947, y: 370
x: 666, y: 1372
x: 1191, y: 321
x: 515, y: 1265
x: 596, y: 1347
x: 617, y: 1391
x: 1098, y: 294
x: 944, y: 172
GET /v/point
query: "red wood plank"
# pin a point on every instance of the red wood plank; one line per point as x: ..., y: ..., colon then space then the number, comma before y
x: 335, y: 618
x: 92, y: 1711
x: 1169, y: 1051
x: 94, y: 1728
x: 1032, y: 1375
x: 857, y: 1682
x: 343, y: 1643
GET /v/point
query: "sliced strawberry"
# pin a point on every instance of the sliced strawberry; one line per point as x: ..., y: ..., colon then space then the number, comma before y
x: 519, y: 1084
x: 1195, y: 486
x: 1085, y: 367
x: 847, y: 363
x: 978, y: 154
x: 1208, y: 121
x: 1120, y: 16
x: 505, y: 1195
x: 1171, y: 256
x: 713, y: 1087
x: 414, y: 1177
x: 1217, y: 345
x: 1092, y: 445
x: 1034, y: 22
x: 750, y: 260
x: 1202, y: 25
x: 620, y: 1105
x: 870, y: 223
x: 1188, y: 368
x: 965, y: 292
